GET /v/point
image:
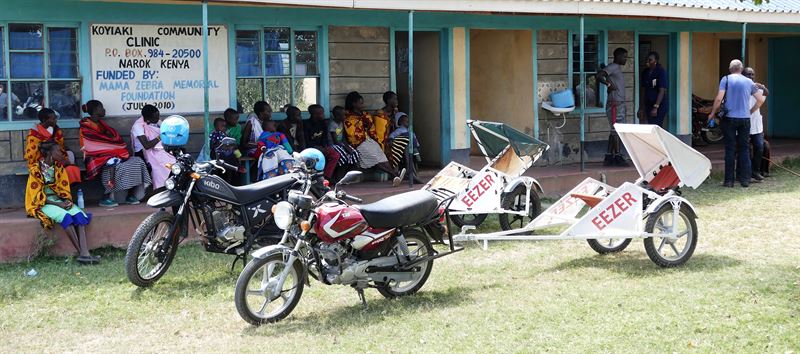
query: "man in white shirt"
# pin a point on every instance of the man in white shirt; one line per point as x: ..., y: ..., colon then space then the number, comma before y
x: 756, y: 126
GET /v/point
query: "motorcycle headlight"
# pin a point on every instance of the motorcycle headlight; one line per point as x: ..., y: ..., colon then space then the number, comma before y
x: 169, y: 183
x: 283, y: 212
x: 176, y: 169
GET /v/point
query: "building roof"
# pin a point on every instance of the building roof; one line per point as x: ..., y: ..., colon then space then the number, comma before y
x: 774, y: 11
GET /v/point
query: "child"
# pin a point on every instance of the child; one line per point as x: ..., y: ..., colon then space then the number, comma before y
x: 224, y: 148
x: 399, y: 143
x: 232, y: 127
x: 292, y: 128
x: 348, y: 156
x: 275, y: 152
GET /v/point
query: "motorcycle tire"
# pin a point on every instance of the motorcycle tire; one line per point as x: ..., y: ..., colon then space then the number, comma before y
x: 712, y: 136
x: 241, y: 292
x: 512, y: 201
x: 134, y: 255
x: 468, y: 219
x: 414, y: 239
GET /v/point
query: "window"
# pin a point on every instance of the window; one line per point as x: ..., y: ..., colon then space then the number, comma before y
x: 592, y: 52
x: 277, y: 65
x: 42, y: 72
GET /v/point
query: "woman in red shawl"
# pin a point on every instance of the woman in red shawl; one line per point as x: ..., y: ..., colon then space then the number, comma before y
x: 48, y: 130
x: 106, y: 154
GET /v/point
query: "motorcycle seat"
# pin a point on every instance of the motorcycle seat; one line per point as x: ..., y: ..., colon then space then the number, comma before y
x: 399, y: 210
x: 261, y: 189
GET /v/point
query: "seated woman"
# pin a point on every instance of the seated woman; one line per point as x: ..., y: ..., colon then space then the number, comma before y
x: 252, y: 130
x: 348, y: 155
x: 48, y: 199
x: 276, y: 153
x: 360, y: 133
x: 384, y: 120
x: 145, y: 133
x: 106, y: 154
x: 48, y: 130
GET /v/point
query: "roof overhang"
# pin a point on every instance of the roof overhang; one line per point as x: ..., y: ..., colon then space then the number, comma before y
x: 553, y: 7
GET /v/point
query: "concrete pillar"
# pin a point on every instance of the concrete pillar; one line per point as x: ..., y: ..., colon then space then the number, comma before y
x: 684, y: 127
x: 459, y: 142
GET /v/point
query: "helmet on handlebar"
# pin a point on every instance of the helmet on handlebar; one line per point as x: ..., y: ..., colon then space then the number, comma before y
x: 313, y: 158
x: 174, y: 131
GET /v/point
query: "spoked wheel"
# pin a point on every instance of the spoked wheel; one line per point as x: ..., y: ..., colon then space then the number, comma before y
x: 712, y: 135
x: 145, y: 261
x: 418, y: 246
x: 517, y: 200
x: 612, y: 245
x: 261, y: 296
x: 668, y: 252
x: 468, y: 219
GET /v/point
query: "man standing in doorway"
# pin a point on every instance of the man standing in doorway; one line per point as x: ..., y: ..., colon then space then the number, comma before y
x: 612, y: 77
x: 736, y: 89
x: 654, y: 83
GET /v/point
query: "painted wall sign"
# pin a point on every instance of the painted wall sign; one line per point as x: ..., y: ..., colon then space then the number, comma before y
x: 162, y: 65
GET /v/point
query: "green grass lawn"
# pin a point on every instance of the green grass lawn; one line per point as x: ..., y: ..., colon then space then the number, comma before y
x: 740, y: 292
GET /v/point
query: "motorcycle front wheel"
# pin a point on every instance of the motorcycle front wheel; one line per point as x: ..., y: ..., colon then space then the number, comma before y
x: 254, y: 294
x: 418, y: 247
x: 143, y: 264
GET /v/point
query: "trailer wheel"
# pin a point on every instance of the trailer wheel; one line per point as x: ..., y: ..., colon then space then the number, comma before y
x: 516, y: 200
x: 468, y: 219
x: 664, y: 251
x: 606, y: 246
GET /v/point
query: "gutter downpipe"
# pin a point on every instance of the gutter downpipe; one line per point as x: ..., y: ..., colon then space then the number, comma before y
x: 410, y: 147
x: 583, y: 96
x: 206, y: 152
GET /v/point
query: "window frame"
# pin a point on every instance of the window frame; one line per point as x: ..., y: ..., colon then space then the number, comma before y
x: 260, y: 29
x: 602, y: 57
x: 7, y: 80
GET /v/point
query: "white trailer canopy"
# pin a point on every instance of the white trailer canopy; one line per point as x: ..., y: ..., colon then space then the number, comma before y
x: 649, y: 146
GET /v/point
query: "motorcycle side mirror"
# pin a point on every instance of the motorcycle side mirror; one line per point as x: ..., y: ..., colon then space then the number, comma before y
x: 350, y: 178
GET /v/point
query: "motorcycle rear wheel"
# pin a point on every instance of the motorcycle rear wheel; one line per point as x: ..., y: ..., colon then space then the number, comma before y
x: 418, y: 246
x: 255, y: 283
x: 712, y: 136
x: 468, y: 219
x: 141, y: 260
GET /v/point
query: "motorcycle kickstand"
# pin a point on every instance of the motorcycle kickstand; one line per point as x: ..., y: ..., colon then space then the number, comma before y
x: 360, y: 292
x: 243, y: 257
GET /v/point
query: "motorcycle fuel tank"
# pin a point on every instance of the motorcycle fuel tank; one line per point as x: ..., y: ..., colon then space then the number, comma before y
x: 338, y: 222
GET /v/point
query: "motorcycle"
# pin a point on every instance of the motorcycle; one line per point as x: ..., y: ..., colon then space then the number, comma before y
x: 700, y: 128
x: 387, y: 245
x: 230, y: 220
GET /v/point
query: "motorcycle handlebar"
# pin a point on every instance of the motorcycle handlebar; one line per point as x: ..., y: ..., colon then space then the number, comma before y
x: 353, y: 199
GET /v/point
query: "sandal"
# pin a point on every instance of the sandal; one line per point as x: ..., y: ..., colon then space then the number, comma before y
x: 88, y: 260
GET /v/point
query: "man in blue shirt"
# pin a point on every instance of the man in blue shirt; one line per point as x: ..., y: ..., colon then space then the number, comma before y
x: 736, y: 90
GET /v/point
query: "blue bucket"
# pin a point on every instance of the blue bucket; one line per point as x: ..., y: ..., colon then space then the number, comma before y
x: 563, y: 99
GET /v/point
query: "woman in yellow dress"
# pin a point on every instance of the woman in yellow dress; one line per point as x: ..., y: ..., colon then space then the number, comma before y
x: 383, y: 120
x: 361, y: 134
x: 48, y: 199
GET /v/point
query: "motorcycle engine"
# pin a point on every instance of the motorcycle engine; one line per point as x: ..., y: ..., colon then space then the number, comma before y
x: 336, y: 257
x: 228, y: 225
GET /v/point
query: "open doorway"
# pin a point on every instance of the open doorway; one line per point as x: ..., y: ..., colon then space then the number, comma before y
x: 660, y: 44
x: 427, y: 93
x: 729, y: 49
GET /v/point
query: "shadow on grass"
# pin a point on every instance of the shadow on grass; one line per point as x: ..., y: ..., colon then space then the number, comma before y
x: 178, y: 288
x: 635, y: 265
x: 378, y: 310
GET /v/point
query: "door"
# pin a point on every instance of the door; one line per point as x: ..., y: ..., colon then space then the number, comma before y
x: 783, y: 74
x: 427, y: 91
x: 662, y: 44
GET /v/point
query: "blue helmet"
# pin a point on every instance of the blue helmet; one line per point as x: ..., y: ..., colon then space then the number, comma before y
x: 314, y: 156
x: 175, y: 131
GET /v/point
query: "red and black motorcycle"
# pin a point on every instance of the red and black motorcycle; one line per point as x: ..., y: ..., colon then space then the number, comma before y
x: 387, y: 245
